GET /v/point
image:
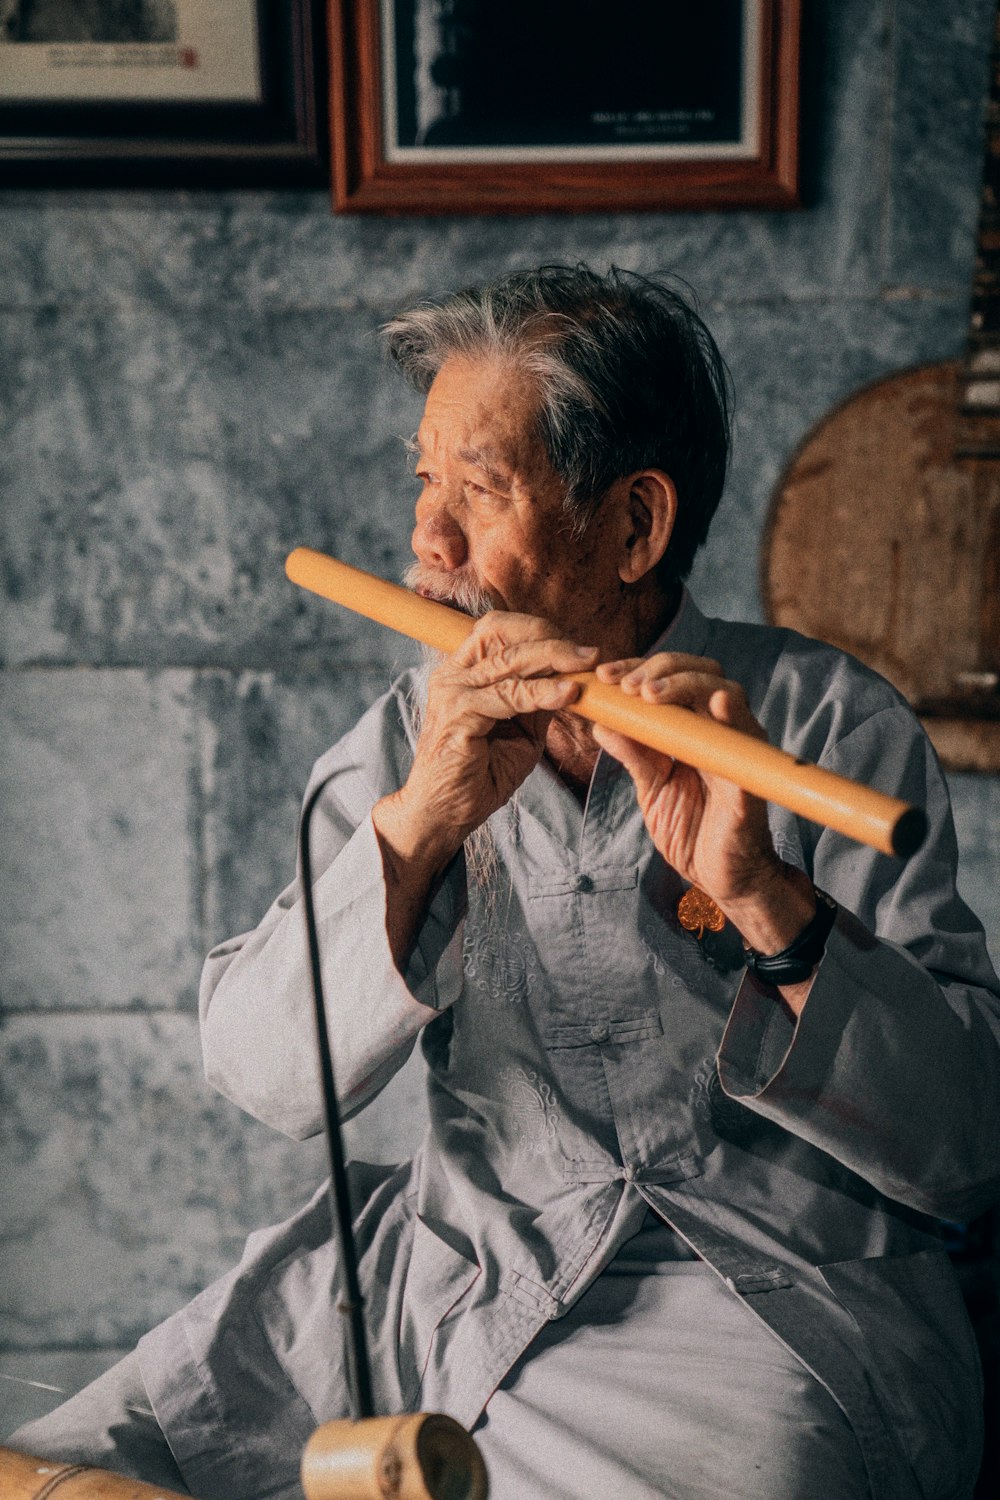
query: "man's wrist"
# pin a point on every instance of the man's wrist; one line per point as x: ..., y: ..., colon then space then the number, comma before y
x: 795, y: 963
x: 412, y: 865
x: 773, y: 915
x: 412, y: 846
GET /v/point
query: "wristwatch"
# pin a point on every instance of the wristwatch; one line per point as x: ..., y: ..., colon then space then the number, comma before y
x: 797, y: 961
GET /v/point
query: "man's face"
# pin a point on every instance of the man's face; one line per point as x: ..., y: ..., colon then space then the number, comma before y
x: 490, y: 511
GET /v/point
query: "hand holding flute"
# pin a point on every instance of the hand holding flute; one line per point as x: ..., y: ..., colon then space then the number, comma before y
x: 711, y: 831
x: 488, y: 715
x: 699, y: 759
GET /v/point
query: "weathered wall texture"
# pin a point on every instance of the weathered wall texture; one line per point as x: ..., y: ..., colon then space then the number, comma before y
x: 190, y: 386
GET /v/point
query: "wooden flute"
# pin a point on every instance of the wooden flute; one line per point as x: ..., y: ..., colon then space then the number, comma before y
x: 861, y: 813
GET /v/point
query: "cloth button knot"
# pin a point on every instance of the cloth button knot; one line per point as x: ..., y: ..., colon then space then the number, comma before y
x: 584, y: 883
x: 600, y: 1033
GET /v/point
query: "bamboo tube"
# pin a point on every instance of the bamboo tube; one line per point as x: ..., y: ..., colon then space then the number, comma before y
x: 860, y: 812
x: 419, y: 1457
x: 23, y: 1477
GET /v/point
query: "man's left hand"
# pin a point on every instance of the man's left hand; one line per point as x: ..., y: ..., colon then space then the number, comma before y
x: 713, y: 833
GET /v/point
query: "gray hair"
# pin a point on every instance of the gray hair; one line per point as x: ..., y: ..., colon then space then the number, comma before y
x: 627, y: 374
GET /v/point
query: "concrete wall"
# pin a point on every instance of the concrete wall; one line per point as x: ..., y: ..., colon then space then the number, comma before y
x: 190, y: 385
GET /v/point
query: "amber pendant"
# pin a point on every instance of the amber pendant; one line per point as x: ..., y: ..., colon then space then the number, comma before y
x: 698, y: 913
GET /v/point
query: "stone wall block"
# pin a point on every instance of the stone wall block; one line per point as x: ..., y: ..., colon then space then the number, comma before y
x: 98, y: 859
x: 166, y: 462
x: 128, y: 1184
x: 124, y: 1171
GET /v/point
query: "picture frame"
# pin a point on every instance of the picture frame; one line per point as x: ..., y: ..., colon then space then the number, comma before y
x: 153, y: 108
x: 647, y: 152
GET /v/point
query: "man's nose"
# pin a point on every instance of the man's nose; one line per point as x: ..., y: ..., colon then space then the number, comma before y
x: 438, y: 540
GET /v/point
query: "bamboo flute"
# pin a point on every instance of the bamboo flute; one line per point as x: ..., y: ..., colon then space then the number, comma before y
x: 860, y: 812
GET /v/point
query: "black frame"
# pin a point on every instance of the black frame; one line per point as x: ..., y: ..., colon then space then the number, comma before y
x: 281, y: 142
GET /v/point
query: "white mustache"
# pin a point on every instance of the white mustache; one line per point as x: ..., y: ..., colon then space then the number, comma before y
x: 465, y: 594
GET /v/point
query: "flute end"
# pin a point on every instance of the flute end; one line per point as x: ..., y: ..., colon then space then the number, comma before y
x: 909, y: 832
x: 294, y: 562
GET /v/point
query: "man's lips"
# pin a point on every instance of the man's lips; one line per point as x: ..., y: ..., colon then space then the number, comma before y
x: 436, y: 597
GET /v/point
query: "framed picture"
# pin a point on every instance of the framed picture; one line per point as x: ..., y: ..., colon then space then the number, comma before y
x: 470, y: 106
x: 179, y: 92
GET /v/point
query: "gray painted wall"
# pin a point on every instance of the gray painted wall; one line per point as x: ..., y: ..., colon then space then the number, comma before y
x: 191, y: 385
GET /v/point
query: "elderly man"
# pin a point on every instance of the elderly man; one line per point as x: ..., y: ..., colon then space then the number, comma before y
x: 702, y: 1077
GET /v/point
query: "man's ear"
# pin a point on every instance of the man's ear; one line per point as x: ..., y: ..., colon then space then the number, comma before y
x: 651, y: 511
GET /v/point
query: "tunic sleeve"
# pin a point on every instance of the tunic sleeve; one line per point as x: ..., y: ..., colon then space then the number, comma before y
x: 893, y: 1066
x: 255, y: 1004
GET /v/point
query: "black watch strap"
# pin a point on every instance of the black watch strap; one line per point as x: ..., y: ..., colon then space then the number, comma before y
x: 797, y: 961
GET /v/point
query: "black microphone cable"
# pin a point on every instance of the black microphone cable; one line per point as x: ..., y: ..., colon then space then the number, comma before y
x: 350, y: 1303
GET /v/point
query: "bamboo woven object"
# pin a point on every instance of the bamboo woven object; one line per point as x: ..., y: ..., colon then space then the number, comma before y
x: 859, y: 812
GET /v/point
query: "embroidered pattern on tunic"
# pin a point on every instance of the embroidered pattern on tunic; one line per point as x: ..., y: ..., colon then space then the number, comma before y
x: 653, y: 958
x: 497, y: 969
x: 533, y: 1117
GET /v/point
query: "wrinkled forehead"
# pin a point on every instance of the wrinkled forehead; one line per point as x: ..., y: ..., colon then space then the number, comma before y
x: 484, y: 411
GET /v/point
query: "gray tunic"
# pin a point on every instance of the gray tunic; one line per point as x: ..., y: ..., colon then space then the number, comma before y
x: 589, y: 1060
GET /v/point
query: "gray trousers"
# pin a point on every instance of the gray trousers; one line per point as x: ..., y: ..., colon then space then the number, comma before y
x: 653, y: 1387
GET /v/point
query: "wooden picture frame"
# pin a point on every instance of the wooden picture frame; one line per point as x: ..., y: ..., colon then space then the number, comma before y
x: 273, y: 134
x: 376, y: 169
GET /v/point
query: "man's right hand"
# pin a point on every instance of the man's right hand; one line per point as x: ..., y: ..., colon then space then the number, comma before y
x: 483, y: 731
